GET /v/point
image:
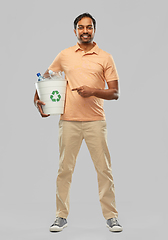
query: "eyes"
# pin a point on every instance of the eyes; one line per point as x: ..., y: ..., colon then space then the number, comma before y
x: 87, y: 27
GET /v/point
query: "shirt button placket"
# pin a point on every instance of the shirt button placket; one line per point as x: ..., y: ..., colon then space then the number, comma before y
x: 83, y: 53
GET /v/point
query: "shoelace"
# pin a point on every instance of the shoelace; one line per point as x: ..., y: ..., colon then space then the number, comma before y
x: 114, y: 221
x: 57, y: 220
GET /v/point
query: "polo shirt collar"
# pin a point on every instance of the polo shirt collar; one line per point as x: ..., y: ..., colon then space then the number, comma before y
x: 95, y: 49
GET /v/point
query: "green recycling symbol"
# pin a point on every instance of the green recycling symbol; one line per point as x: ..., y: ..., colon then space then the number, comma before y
x: 55, y: 96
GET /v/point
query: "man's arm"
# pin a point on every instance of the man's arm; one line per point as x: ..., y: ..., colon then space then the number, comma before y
x: 109, y: 94
x: 37, y: 101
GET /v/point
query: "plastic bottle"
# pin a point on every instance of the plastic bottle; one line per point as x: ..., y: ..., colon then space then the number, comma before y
x: 55, y: 75
x: 51, y: 73
x: 40, y: 78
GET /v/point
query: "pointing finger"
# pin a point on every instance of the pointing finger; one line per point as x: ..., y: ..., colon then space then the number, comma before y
x: 76, y: 89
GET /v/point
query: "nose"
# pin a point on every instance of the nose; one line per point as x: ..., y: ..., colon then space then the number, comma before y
x: 85, y: 30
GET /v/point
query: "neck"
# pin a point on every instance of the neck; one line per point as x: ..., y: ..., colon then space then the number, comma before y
x: 86, y: 46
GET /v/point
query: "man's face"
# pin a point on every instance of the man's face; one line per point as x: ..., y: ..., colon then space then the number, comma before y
x: 85, y: 30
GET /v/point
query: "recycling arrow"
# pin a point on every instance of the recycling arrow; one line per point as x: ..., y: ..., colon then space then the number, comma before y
x: 55, y: 96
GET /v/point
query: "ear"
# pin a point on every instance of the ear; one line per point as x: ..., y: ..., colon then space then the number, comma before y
x: 75, y: 32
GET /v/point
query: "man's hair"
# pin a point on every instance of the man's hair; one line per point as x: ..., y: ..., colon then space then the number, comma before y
x: 82, y: 16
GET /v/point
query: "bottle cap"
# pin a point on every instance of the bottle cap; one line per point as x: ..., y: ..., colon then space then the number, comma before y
x: 50, y: 72
x: 38, y: 74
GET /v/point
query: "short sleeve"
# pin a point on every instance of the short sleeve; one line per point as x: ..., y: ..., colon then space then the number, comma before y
x: 110, y: 71
x: 56, y: 64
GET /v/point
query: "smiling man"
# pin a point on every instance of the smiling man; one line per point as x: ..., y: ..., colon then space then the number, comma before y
x: 85, y: 31
x: 86, y: 68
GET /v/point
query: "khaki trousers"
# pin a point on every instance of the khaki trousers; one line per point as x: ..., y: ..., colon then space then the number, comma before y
x: 71, y: 134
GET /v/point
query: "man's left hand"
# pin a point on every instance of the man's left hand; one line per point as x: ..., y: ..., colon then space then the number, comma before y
x: 84, y: 91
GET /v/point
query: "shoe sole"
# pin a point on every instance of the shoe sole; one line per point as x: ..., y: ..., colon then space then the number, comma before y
x: 58, y: 229
x: 115, y: 228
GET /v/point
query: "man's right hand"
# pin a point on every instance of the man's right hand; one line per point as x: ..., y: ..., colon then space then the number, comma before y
x: 39, y: 104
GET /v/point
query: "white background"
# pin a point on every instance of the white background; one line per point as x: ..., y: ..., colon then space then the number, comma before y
x: 32, y: 34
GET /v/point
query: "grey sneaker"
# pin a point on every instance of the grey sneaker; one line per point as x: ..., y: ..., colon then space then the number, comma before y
x: 113, y: 225
x: 58, y: 224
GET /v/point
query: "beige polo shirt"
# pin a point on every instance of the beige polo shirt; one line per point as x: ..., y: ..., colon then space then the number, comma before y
x: 92, y: 69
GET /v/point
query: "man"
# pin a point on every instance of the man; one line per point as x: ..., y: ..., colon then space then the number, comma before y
x: 86, y: 68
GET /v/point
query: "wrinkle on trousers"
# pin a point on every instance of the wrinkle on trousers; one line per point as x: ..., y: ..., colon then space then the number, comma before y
x: 71, y: 135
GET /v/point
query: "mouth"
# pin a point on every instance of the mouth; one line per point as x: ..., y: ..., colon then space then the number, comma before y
x: 85, y: 36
